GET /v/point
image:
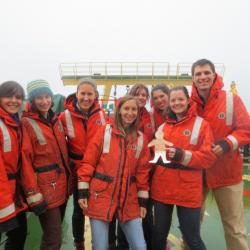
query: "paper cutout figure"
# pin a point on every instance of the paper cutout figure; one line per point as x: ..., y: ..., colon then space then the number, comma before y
x: 160, y: 147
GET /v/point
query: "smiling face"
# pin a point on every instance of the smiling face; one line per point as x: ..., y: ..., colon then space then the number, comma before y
x: 85, y: 96
x: 128, y: 113
x: 142, y: 97
x: 160, y: 100
x: 178, y: 102
x: 11, y: 104
x: 203, y: 78
x: 43, y: 103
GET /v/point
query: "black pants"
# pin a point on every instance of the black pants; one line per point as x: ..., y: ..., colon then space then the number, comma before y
x: 78, y: 219
x: 16, y: 237
x: 112, y: 232
x: 189, y: 220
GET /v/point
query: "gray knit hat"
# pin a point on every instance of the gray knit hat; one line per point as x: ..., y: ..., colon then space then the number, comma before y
x: 38, y: 87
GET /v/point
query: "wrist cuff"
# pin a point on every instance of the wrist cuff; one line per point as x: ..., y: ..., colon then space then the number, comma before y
x: 224, y: 145
x: 178, y: 154
x: 83, y: 193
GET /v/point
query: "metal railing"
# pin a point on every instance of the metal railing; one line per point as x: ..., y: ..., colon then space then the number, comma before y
x: 135, y: 69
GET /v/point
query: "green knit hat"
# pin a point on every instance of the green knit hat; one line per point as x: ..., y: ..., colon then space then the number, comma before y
x: 38, y: 87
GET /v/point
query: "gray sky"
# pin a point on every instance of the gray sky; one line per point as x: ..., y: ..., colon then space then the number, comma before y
x: 36, y: 36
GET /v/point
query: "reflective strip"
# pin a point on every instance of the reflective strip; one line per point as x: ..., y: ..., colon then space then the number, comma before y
x: 143, y: 194
x: 187, y: 158
x: 234, y: 141
x: 139, y: 145
x: 37, y: 130
x: 60, y: 126
x: 102, y: 117
x: 6, y: 137
x: 69, y: 124
x: 83, y: 185
x: 152, y: 120
x: 107, y: 139
x: 7, y: 211
x: 34, y: 198
x: 229, y: 108
x: 196, y: 130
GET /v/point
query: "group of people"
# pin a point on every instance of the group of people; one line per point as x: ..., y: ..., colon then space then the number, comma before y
x: 110, y: 164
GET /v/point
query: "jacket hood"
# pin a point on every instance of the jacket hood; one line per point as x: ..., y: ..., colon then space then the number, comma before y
x: 217, y: 85
x: 143, y: 111
x: 192, y: 111
x: 28, y: 112
x: 71, y: 102
x: 8, y: 119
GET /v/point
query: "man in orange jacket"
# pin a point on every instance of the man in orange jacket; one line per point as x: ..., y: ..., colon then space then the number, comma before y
x: 230, y: 124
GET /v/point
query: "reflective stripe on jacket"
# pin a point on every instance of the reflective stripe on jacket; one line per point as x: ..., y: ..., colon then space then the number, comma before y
x: 45, y: 155
x: 116, y: 171
x: 180, y: 182
x: 11, y: 201
x: 80, y: 129
x: 230, y: 124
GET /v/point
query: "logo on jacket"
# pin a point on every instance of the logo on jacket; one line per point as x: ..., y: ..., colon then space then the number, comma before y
x: 187, y: 132
x: 133, y: 147
x: 98, y: 122
x: 149, y: 125
x: 221, y: 115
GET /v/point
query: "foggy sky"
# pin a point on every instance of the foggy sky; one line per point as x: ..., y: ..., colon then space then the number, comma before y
x: 36, y: 36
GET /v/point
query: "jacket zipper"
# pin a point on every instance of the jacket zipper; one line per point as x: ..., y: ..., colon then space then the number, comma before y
x: 67, y: 172
x: 123, y: 166
x: 117, y: 176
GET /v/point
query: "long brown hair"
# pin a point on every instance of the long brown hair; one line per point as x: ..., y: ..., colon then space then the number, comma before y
x: 137, y: 87
x: 118, y: 119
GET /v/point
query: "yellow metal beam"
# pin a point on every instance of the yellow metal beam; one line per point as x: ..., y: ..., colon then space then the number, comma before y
x: 107, y: 90
x: 108, y: 83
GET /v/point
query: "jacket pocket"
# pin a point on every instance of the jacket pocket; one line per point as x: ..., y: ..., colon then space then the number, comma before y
x: 98, y: 185
x: 48, y: 174
x: 55, y: 190
x: 187, y: 176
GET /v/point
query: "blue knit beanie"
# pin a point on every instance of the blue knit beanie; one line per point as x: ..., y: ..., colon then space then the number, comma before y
x: 38, y: 87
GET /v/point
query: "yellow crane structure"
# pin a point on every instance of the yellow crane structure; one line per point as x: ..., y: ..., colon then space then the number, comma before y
x: 129, y: 73
x: 233, y: 88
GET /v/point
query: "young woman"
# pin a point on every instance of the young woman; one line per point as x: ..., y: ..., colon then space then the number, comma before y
x: 145, y: 125
x: 81, y: 120
x: 46, y: 156
x: 114, y: 176
x: 180, y: 181
x: 160, y: 103
x: 12, y: 206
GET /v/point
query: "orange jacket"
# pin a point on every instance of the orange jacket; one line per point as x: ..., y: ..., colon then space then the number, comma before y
x: 11, y: 201
x: 146, y: 124
x: 157, y: 118
x: 230, y: 124
x: 115, y: 170
x: 180, y: 181
x: 45, y: 155
x: 80, y: 129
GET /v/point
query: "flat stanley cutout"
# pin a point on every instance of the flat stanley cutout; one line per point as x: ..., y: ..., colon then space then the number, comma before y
x: 160, y: 146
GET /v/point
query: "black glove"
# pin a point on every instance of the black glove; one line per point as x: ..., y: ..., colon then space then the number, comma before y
x: 39, y: 208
